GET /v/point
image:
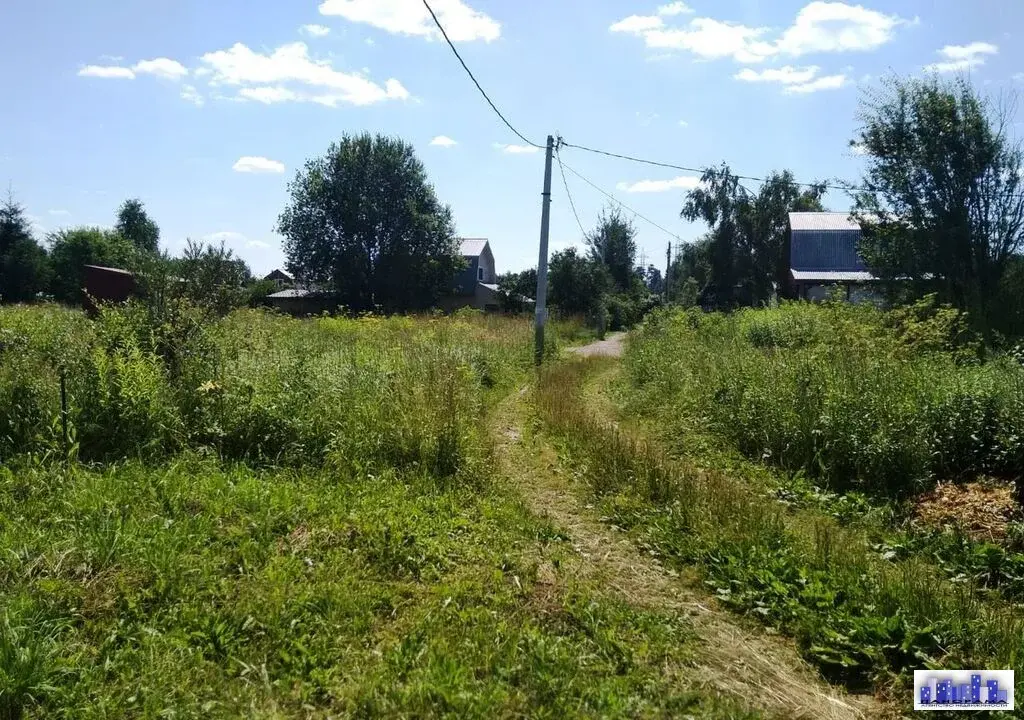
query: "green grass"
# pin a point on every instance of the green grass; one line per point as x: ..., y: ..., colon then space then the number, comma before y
x: 851, y: 397
x: 293, y: 519
x: 863, y: 620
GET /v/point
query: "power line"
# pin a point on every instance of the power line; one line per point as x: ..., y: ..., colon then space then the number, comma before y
x: 622, y: 204
x: 473, y: 78
x: 655, y: 163
x: 568, y: 194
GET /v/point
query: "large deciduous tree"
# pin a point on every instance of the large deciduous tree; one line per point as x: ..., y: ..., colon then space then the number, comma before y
x: 23, y: 263
x: 364, y: 222
x: 516, y: 288
x: 942, y: 193
x: 577, y: 284
x: 135, y: 225
x: 745, y: 255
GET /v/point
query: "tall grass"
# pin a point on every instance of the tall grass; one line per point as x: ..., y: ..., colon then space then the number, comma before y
x: 832, y: 391
x: 860, y: 619
x: 256, y: 386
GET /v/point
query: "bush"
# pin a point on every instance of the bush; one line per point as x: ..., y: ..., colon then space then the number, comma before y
x: 856, y: 397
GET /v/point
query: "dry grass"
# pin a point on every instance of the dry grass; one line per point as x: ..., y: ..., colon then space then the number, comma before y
x: 981, y: 510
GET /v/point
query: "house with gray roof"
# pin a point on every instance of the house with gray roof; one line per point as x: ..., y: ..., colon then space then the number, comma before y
x: 477, y: 285
x: 823, y: 254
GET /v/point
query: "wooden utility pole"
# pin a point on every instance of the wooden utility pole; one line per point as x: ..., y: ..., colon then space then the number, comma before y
x: 542, y: 261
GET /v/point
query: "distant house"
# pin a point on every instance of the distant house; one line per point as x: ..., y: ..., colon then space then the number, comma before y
x: 105, y: 285
x: 301, y: 302
x: 476, y: 286
x: 281, y: 278
x: 823, y: 255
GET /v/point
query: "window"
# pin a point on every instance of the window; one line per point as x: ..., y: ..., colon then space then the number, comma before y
x: 480, y: 274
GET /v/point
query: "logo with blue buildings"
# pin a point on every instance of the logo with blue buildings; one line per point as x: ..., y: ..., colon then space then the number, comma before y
x: 963, y: 689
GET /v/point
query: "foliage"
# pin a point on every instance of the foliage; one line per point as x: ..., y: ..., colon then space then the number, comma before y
x: 944, y: 191
x: 613, y: 244
x: 364, y: 222
x: 135, y: 226
x: 863, y: 618
x: 745, y: 256
x: 514, y: 287
x: 849, y: 395
x: 23, y: 263
x: 72, y: 249
x: 652, y: 279
x: 361, y: 562
x: 576, y: 284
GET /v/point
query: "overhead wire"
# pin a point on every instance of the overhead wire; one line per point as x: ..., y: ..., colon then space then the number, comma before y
x: 568, y: 194
x: 475, y: 82
x: 621, y: 204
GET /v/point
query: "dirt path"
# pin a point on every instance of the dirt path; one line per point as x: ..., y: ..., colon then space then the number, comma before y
x: 736, y: 658
x: 612, y: 346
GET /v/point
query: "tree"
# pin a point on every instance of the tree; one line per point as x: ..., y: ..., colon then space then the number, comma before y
x: 134, y: 224
x: 652, y: 279
x: 943, y: 199
x: 364, y: 222
x: 72, y: 249
x: 746, y: 251
x: 613, y: 244
x: 211, y: 277
x: 516, y: 286
x: 716, y: 201
x: 577, y: 284
x: 23, y: 263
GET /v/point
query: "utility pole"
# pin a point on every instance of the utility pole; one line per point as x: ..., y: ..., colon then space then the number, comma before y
x: 542, y: 261
x: 668, y: 271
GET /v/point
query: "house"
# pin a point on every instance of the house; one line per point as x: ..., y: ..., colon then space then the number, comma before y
x: 301, y: 302
x: 823, y: 255
x: 281, y: 278
x: 105, y: 285
x: 476, y: 286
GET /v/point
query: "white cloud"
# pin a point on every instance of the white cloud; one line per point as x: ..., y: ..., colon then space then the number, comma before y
x: 190, y: 94
x: 683, y: 123
x: 795, y: 80
x: 1019, y: 76
x: 517, y: 149
x: 59, y: 213
x: 675, y: 8
x: 786, y: 75
x: 410, y: 17
x: 443, y: 141
x: 827, y: 82
x: 638, y: 24
x: 818, y: 28
x: 684, y: 182
x: 962, y: 57
x: 250, y: 164
x: 107, y: 71
x: 316, y: 30
x: 837, y: 27
x: 289, y: 74
x: 161, y: 67
x: 267, y: 94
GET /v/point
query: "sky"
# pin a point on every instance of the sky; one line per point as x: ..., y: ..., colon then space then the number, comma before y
x: 206, y: 110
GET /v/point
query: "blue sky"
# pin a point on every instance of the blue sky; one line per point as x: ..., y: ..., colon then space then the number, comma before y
x: 205, y: 110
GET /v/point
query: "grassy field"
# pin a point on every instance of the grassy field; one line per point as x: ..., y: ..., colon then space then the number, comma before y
x: 274, y: 518
x: 769, y: 449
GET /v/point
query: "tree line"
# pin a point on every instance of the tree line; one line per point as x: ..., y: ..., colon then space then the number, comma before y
x: 55, y: 268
